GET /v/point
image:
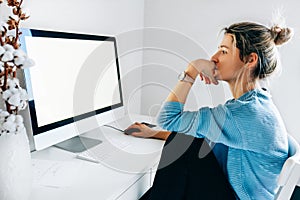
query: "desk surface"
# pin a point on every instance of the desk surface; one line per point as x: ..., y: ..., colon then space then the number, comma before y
x: 75, y: 179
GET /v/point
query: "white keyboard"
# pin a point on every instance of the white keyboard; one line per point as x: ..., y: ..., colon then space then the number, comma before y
x: 102, y: 151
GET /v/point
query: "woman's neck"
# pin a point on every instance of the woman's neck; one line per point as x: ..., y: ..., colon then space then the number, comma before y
x: 239, y: 88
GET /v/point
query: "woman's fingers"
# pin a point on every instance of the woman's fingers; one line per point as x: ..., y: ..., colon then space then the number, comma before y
x: 138, y: 134
x: 201, y: 76
x: 207, y: 71
x: 143, y: 130
x: 208, y: 79
x: 215, y: 81
x: 135, y: 125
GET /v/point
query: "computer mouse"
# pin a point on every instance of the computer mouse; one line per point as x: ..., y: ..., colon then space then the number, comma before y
x: 131, y: 130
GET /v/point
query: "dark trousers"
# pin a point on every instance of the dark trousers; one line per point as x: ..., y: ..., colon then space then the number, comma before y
x: 188, y: 170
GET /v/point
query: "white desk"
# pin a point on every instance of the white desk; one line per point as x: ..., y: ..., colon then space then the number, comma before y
x: 127, y: 175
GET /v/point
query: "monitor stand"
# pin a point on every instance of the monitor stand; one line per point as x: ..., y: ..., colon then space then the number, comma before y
x: 78, y: 144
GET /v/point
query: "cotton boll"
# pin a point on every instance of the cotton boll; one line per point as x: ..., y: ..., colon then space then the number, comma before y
x: 2, y: 117
x: 12, y: 32
x: 9, y: 126
x: 13, y: 107
x: 15, y: 81
x: 7, y: 56
x: 26, y: 11
x: 23, y: 94
x: 2, y: 130
x: 15, y: 100
x: 16, y: 18
x: 13, y: 85
x: 19, y: 119
x: 3, y: 38
x: 28, y: 63
x: 9, y: 48
x: 2, y: 26
x: 22, y: 105
x: 1, y: 66
x: 20, y: 126
x: 2, y: 50
x: 11, y: 118
x: 19, y: 61
x: 21, y: 129
x: 14, y: 89
x: 4, y: 114
x: 11, y: 123
x: 11, y: 64
x: 6, y: 94
x: 19, y: 53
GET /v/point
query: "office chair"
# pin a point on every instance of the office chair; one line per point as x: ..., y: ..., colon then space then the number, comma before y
x: 287, y: 180
x: 290, y: 174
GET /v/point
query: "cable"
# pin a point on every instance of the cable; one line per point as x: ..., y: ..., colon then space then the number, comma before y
x: 145, y: 123
x: 114, y: 128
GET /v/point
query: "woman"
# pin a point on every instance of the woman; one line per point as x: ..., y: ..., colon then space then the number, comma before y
x: 249, y: 130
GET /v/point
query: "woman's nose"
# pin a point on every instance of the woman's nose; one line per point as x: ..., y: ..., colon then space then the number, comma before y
x: 214, y: 58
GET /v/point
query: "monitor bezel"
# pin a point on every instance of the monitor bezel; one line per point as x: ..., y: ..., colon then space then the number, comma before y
x: 67, y: 35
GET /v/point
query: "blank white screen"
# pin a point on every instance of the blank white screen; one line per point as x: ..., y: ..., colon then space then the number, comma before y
x: 58, y: 63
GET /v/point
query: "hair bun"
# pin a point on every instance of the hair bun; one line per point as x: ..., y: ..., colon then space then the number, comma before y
x: 281, y: 35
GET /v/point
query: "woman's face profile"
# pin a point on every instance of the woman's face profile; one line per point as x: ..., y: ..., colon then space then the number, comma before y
x: 227, y: 60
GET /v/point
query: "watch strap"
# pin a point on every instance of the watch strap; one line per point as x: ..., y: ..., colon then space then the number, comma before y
x: 186, y: 78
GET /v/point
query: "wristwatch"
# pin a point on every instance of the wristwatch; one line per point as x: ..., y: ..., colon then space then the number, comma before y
x: 183, y: 76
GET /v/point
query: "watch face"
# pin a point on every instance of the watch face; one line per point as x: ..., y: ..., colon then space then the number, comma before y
x: 181, y: 76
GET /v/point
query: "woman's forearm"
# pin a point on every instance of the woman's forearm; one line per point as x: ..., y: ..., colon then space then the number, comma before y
x: 182, y: 89
x: 180, y: 92
x: 163, y: 135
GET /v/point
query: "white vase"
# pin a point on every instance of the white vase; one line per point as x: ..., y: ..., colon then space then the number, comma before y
x: 15, y: 167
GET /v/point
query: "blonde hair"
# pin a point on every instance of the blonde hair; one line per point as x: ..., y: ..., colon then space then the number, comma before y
x: 252, y: 37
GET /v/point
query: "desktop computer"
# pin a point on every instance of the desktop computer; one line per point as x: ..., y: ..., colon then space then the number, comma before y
x: 74, y: 87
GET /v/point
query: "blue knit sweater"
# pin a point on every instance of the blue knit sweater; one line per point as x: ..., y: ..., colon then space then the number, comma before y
x: 250, y: 136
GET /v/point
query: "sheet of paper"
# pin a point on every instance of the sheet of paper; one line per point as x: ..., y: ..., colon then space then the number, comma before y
x: 54, y: 173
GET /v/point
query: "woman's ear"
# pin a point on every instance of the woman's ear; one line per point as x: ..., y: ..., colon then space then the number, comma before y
x: 252, y: 60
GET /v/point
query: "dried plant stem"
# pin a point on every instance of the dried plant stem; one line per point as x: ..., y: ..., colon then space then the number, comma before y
x: 4, y: 86
x: 12, y: 23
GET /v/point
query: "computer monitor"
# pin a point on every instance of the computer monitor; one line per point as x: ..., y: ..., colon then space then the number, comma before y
x: 75, y: 85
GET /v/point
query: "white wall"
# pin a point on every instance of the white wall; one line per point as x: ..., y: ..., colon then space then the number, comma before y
x: 175, y: 33
x: 186, y: 30
x: 121, y: 18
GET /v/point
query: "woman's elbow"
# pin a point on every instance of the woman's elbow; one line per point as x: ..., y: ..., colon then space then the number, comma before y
x: 167, y: 122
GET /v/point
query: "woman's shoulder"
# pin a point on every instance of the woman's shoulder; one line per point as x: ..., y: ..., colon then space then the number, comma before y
x: 250, y: 99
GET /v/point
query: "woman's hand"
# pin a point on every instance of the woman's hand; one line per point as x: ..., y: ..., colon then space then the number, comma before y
x: 144, y: 132
x: 206, y: 70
